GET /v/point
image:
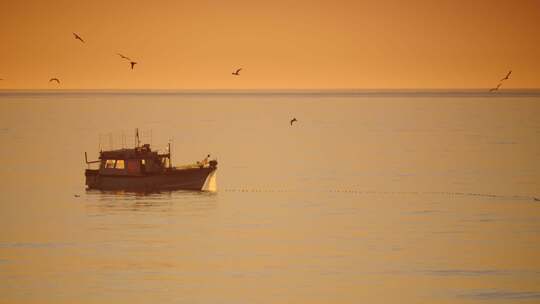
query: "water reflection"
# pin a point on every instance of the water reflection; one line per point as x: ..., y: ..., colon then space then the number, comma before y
x: 103, y: 202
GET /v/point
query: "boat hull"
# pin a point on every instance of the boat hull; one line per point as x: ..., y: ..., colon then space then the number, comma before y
x: 199, y: 179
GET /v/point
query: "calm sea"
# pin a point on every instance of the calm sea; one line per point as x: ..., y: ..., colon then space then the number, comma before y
x: 371, y: 197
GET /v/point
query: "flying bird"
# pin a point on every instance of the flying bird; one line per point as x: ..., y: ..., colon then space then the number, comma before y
x: 78, y: 37
x: 293, y: 120
x: 507, y: 76
x: 124, y: 57
x: 54, y: 79
x: 133, y: 63
x: 237, y: 72
x: 76, y: 195
x: 496, y: 88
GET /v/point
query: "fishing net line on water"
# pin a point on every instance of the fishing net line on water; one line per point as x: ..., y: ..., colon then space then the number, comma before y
x: 366, y: 192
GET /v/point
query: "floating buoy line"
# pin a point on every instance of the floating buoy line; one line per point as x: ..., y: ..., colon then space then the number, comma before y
x: 364, y: 192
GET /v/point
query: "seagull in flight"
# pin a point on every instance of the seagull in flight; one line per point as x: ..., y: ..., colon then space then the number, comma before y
x: 496, y: 88
x: 237, y: 72
x: 131, y: 62
x: 78, y: 37
x: 123, y: 57
x: 293, y: 120
x: 507, y: 76
x: 54, y: 79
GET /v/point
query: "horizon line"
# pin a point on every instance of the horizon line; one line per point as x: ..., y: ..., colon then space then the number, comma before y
x: 274, y: 89
x: 338, y: 93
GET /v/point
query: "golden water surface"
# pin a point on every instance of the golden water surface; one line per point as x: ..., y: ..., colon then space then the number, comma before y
x: 366, y: 199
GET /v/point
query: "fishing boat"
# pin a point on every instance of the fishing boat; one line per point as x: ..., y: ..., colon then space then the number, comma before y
x: 141, y: 169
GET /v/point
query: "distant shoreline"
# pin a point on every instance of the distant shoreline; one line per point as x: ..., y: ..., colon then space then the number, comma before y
x: 287, y: 92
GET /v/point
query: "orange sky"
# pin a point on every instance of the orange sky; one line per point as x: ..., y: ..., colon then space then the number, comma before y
x: 280, y: 44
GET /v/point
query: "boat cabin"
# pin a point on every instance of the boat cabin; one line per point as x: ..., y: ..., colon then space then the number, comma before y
x: 137, y: 161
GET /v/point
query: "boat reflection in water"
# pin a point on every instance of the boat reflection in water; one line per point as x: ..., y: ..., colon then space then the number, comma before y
x: 179, y: 201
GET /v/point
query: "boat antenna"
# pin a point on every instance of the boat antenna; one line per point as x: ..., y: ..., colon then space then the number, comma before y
x: 170, y: 162
x: 137, y: 141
